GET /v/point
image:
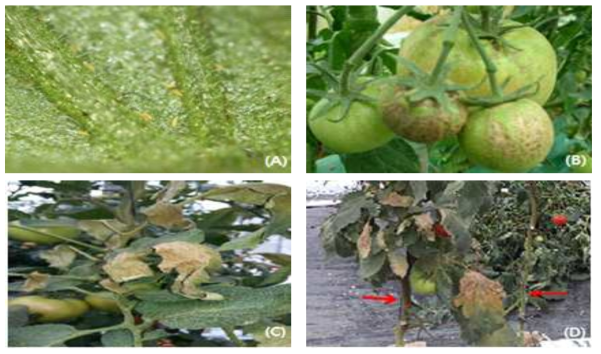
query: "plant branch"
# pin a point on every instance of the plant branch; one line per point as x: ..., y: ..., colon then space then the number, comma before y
x: 447, y: 45
x: 491, y: 68
x: 528, y: 253
x: 355, y: 60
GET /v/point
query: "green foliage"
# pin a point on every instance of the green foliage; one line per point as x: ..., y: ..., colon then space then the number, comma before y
x: 241, y: 306
x: 162, y: 254
x: 88, y: 88
x: 562, y: 254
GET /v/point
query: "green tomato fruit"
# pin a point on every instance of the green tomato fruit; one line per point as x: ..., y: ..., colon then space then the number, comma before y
x: 424, y: 121
x: 511, y: 137
x: 586, y: 166
x: 35, y: 231
x: 524, y: 57
x: 51, y: 310
x: 103, y: 301
x: 362, y: 129
x: 421, y: 284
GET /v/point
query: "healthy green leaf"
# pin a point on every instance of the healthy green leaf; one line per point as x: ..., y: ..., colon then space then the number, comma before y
x: 46, y: 335
x: 241, y: 306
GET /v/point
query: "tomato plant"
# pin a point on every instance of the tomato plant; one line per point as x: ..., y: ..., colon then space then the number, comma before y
x: 441, y: 64
x: 148, y: 263
x: 474, y: 246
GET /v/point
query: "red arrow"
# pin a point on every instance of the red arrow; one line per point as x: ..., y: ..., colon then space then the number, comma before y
x: 388, y: 299
x: 540, y: 293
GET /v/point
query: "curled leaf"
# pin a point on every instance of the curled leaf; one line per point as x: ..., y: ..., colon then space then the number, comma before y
x: 167, y: 215
x: 35, y: 281
x: 127, y: 266
x: 394, y: 199
x: 60, y: 256
x: 398, y: 262
x: 424, y: 223
x: 364, y: 241
x: 192, y: 262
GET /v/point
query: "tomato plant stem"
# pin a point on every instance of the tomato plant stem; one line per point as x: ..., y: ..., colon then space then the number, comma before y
x: 491, y: 68
x: 528, y: 255
x: 447, y: 45
x: 355, y: 60
x: 232, y: 336
x: 486, y: 21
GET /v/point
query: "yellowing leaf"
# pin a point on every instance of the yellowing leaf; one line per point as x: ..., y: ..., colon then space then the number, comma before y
x: 192, y: 263
x: 364, y: 241
x: 127, y: 266
x: 185, y: 256
x: 60, y: 256
x: 477, y: 293
x: 35, y: 281
x: 424, y: 223
x: 396, y: 200
x: 398, y: 262
x: 166, y: 215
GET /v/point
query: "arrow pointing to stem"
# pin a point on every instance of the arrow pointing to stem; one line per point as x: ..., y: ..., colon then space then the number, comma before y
x: 388, y: 299
x: 540, y: 293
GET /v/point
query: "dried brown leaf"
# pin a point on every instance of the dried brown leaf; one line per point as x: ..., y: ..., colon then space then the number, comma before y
x: 478, y: 294
x: 186, y: 256
x: 127, y: 266
x: 166, y: 215
x: 398, y: 262
x: 364, y: 241
x: 192, y: 262
x: 35, y: 281
x: 394, y: 199
x: 424, y: 223
x: 60, y: 256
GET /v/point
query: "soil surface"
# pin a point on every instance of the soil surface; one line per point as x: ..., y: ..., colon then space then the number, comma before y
x: 336, y: 316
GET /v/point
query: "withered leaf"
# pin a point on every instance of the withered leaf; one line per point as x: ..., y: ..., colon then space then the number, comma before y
x: 35, y: 281
x: 252, y: 193
x: 424, y: 223
x: 102, y: 229
x: 127, y: 266
x: 192, y: 262
x: 60, y: 256
x: 478, y: 294
x: 394, y: 199
x: 186, y: 256
x: 398, y: 262
x: 364, y: 241
x: 110, y: 285
x: 166, y: 215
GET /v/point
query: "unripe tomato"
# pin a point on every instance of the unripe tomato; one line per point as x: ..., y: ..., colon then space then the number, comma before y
x: 421, y: 284
x: 63, y: 229
x: 559, y: 220
x: 102, y: 301
x: 425, y: 121
x: 526, y: 58
x: 362, y: 129
x: 51, y: 310
x: 511, y: 137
